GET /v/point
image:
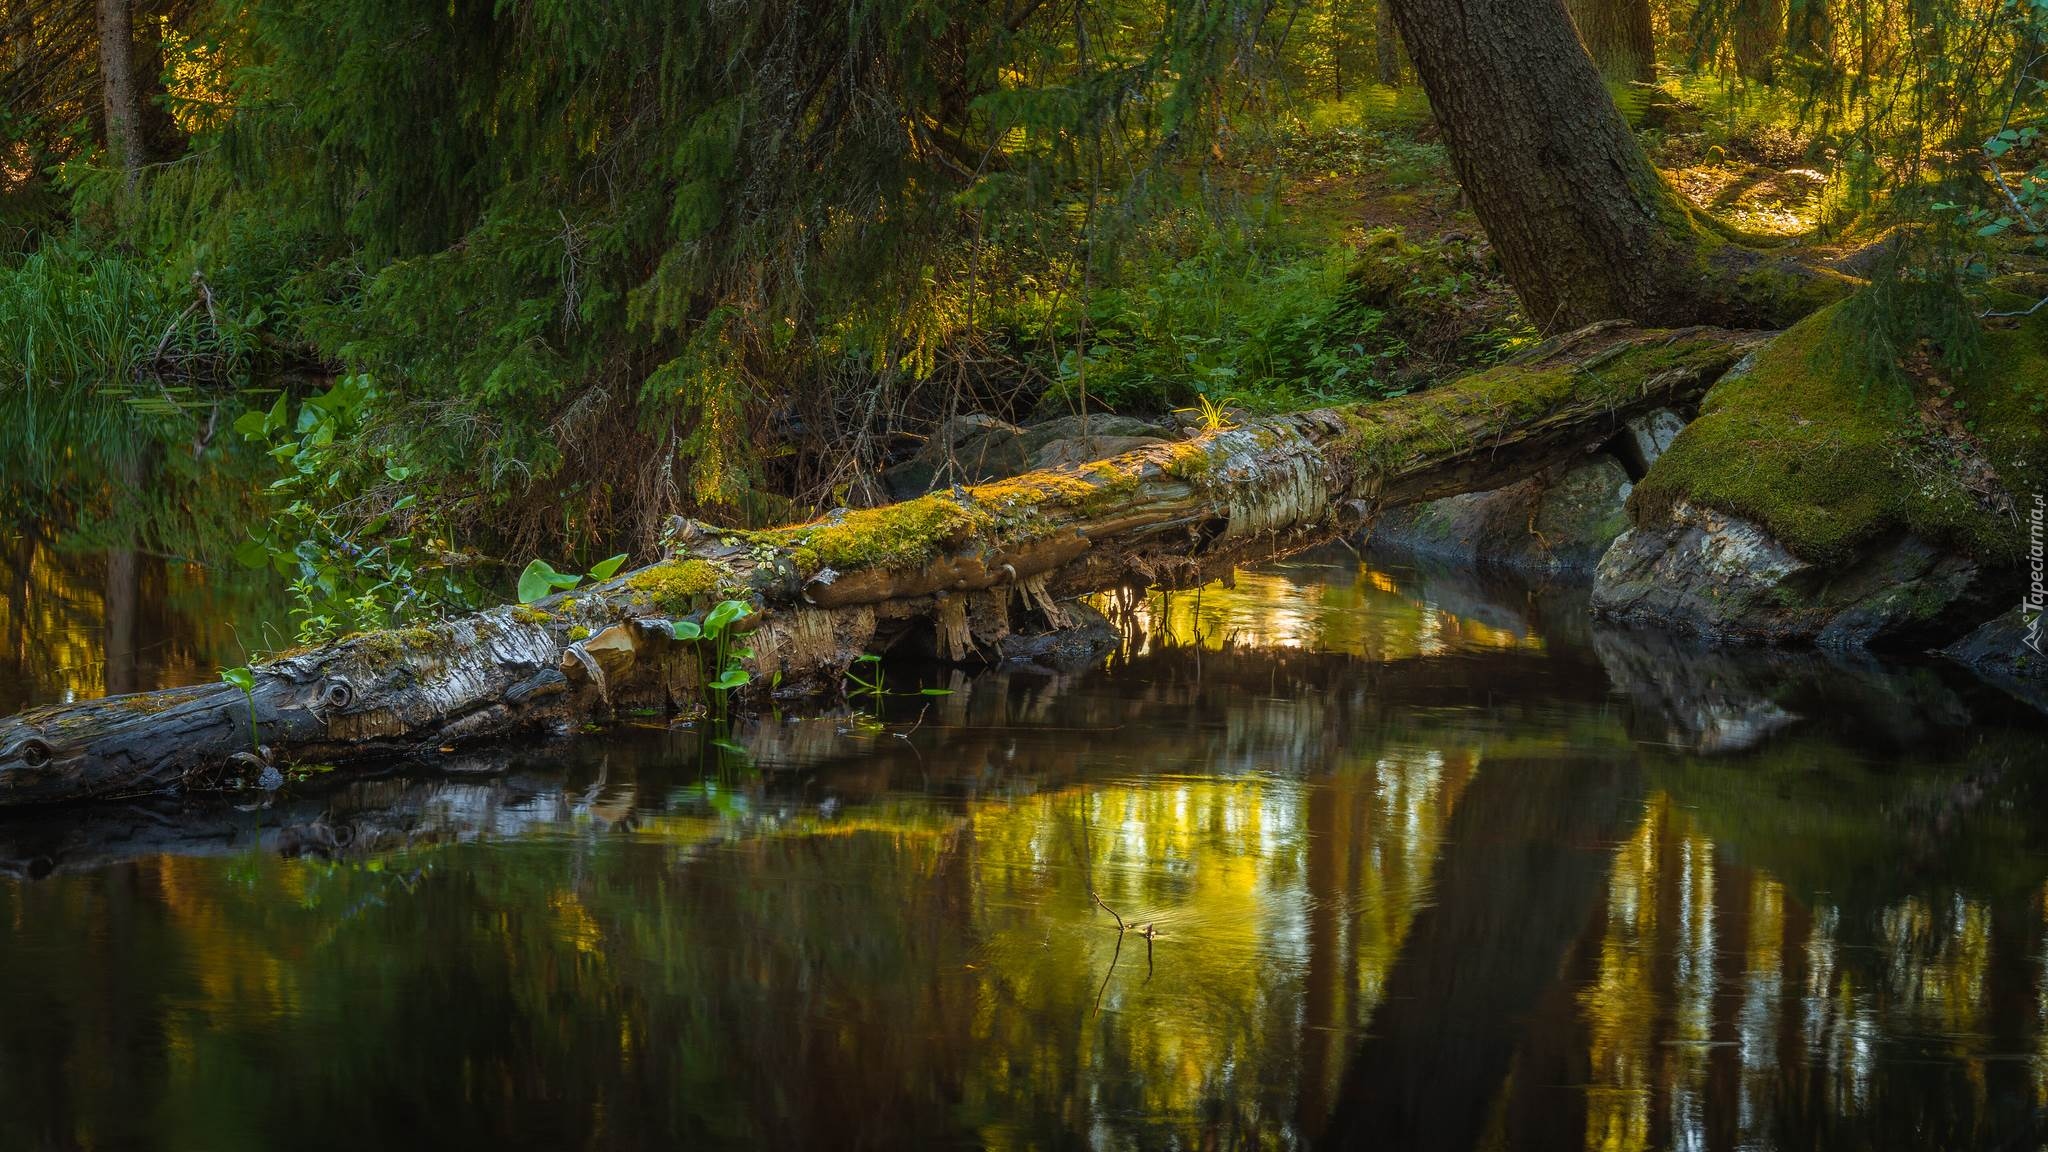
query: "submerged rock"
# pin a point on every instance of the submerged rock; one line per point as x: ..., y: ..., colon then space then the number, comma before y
x: 1086, y: 639
x: 2007, y: 651
x: 1561, y: 520
x: 1722, y: 576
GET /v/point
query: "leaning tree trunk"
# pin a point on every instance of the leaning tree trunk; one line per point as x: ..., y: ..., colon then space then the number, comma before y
x: 1585, y: 228
x: 827, y: 591
x: 1617, y: 36
x: 119, y: 93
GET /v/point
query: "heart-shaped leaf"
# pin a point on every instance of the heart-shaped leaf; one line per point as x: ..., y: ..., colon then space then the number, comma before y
x: 725, y: 613
x: 603, y: 569
x: 730, y: 679
x: 539, y: 579
x: 687, y: 630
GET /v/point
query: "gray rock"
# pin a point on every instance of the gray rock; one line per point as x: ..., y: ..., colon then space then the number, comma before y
x: 1082, y: 449
x: 1645, y: 438
x: 1561, y: 520
x: 2008, y: 651
x: 1088, y: 637
x: 1722, y: 576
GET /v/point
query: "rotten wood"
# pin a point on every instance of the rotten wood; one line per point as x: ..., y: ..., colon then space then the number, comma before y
x: 972, y: 563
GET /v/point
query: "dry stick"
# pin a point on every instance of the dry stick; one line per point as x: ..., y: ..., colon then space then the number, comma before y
x: 1120, y: 926
x: 1113, y: 958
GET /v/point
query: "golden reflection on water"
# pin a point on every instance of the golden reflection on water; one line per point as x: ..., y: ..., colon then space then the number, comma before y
x: 1672, y: 1010
x: 80, y: 626
x: 1366, y: 612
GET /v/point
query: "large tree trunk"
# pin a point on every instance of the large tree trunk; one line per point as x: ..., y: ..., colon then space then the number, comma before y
x: 1759, y: 30
x: 1392, y: 61
x: 1585, y: 228
x: 825, y: 592
x: 119, y: 92
x: 1617, y: 36
x: 1810, y: 29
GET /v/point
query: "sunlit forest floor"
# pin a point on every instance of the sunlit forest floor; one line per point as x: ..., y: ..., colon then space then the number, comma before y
x: 1363, y: 272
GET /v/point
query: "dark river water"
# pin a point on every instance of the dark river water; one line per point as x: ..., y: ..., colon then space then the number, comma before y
x: 1406, y: 861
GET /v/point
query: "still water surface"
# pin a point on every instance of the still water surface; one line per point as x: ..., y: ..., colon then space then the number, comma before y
x: 1407, y: 861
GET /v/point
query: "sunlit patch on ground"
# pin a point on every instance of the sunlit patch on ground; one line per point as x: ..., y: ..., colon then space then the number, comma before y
x: 1755, y: 198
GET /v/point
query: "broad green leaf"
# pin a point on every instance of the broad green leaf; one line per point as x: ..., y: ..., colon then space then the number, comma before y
x: 687, y: 630
x: 242, y: 677
x: 725, y: 613
x: 537, y: 581
x: 731, y: 678
x: 603, y: 569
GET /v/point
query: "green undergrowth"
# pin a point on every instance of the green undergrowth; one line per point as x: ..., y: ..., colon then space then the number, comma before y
x: 1807, y: 444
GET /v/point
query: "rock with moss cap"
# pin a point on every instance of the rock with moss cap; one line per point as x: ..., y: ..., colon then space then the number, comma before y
x: 1812, y: 503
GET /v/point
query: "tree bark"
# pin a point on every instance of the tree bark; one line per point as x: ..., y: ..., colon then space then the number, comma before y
x: 1810, y: 29
x: 1171, y: 515
x: 119, y: 92
x: 1617, y: 36
x: 1585, y: 228
x: 1759, y: 31
x: 1392, y: 61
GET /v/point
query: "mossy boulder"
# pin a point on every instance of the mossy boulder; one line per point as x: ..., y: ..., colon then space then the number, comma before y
x: 1813, y: 500
x: 1720, y: 575
x: 1804, y: 443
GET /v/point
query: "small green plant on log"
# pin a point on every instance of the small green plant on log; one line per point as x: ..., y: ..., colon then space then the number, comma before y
x: 540, y: 579
x: 726, y: 670
x: 245, y: 679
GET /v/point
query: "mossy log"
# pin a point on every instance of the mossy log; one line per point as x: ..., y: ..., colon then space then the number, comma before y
x: 967, y: 563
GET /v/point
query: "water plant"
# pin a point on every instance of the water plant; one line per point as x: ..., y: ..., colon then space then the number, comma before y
x: 725, y: 669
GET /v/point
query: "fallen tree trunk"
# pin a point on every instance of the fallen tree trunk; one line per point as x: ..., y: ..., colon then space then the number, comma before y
x: 825, y: 592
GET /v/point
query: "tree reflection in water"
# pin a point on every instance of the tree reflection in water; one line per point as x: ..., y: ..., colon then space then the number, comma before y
x: 1428, y: 868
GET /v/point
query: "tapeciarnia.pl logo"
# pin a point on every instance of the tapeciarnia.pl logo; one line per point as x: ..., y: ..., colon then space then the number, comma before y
x: 2031, y: 610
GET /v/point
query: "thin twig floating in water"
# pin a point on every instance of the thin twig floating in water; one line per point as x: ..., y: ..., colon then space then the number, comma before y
x: 1120, y: 927
x: 1113, y: 958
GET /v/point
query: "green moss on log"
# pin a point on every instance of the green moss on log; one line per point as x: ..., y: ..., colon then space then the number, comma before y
x: 1825, y: 459
x: 676, y: 586
x: 1394, y: 434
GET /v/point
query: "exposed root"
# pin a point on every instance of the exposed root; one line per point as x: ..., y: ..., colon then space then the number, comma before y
x: 1035, y: 595
x: 952, y: 637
